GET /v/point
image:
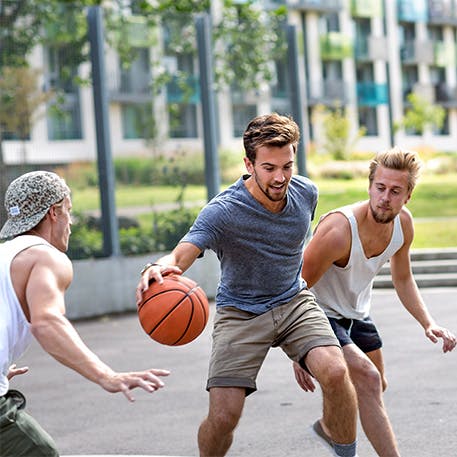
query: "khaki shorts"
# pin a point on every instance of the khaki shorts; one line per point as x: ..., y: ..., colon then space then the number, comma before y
x: 241, y: 340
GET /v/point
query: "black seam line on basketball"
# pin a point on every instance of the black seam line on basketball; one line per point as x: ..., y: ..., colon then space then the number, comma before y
x: 189, y: 320
x: 170, y: 311
x: 160, y: 293
x: 192, y: 294
x: 203, y: 308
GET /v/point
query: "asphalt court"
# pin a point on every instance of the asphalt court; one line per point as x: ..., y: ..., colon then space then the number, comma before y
x: 85, y: 420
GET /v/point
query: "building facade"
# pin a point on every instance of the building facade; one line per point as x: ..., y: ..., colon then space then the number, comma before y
x: 364, y: 55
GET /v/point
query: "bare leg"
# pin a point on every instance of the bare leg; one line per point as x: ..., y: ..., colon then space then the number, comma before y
x: 377, y: 358
x: 328, y: 366
x: 215, y: 434
x: 373, y: 415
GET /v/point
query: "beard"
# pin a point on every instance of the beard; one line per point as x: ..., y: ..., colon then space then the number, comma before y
x: 382, y: 217
x: 277, y: 197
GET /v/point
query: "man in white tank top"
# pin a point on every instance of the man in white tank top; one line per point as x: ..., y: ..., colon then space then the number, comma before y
x: 34, y: 275
x: 347, y: 250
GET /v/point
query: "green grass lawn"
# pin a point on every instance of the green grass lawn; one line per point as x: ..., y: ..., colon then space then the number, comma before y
x: 435, y: 196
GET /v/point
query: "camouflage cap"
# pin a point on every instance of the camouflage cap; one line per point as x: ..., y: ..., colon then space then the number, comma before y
x: 28, y: 199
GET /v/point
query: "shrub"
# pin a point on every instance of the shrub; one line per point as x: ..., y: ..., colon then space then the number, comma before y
x: 168, y: 228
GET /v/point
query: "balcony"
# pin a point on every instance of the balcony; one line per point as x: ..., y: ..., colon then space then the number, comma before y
x: 412, y: 10
x: 335, y: 46
x: 441, y: 12
x: 444, y: 54
x: 330, y: 92
x: 137, y: 31
x: 372, y: 94
x: 128, y: 86
x: 446, y: 95
x: 319, y: 6
x: 183, y: 90
x: 370, y: 48
x: 415, y: 52
x: 366, y: 8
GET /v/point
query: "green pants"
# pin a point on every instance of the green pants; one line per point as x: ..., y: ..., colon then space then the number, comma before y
x: 20, y: 433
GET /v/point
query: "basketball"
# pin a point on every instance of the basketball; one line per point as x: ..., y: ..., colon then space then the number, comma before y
x: 174, y: 312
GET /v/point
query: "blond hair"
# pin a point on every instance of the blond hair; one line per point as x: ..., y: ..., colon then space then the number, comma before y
x: 397, y: 158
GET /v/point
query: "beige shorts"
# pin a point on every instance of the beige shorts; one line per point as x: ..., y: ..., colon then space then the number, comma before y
x: 241, y: 340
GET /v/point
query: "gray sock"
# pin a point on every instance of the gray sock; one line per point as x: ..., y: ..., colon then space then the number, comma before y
x: 345, y: 450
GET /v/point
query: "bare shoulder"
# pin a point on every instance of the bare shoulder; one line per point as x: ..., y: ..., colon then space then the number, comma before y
x: 334, y: 229
x: 407, y: 224
x: 43, y: 257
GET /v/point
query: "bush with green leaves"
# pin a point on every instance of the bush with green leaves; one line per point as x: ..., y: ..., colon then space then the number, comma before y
x: 167, y: 229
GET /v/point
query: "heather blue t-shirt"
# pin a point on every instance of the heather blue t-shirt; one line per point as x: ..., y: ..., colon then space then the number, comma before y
x: 260, y: 252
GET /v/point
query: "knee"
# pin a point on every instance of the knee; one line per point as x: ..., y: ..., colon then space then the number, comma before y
x: 371, y: 381
x: 224, y: 421
x: 334, y: 375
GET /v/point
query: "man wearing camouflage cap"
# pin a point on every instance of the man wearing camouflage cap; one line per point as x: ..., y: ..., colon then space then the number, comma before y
x: 34, y: 275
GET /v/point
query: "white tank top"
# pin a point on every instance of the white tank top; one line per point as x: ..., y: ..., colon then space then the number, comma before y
x: 15, y: 335
x: 346, y: 291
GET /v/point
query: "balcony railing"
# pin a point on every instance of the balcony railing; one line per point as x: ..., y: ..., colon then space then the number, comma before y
x: 181, y: 90
x: 322, y: 6
x: 412, y: 10
x: 366, y: 8
x: 128, y: 87
x: 370, y: 48
x: 331, y: 92
x: 446, y: 95
x: 444, y: 54
x: 414, y: 52
x: 371, y: 94
x: 336, y: 46
x: 442, y: 12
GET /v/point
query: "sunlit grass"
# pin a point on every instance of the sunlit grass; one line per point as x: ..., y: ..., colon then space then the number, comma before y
x: 434, y: 197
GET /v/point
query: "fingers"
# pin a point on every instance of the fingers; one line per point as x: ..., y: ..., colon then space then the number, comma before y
x: 154, y: 273
x: 449, y: 339
x: 147, y: 380
x: 303, y: 378
x: 14, y: 371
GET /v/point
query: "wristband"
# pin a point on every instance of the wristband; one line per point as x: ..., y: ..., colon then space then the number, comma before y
x: 148, y: 265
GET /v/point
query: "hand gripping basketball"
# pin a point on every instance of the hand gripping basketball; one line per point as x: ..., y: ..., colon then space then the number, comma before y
x: 174, y: 312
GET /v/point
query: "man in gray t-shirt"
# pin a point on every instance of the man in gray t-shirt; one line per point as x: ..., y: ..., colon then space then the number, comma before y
x: 257, y: 228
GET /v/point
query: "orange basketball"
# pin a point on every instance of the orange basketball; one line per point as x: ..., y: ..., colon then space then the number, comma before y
x: 174, y: 312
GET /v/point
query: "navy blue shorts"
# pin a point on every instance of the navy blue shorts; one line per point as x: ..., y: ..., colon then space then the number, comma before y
x: 362, y: 333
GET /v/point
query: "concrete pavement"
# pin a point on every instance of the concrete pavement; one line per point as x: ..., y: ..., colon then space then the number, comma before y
x: 85, y: 420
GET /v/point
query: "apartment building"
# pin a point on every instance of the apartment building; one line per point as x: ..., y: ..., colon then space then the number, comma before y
x: 364, y: 55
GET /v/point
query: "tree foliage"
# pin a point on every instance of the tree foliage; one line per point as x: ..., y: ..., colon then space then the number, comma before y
x: 338, y: 137
x: 421, y: 114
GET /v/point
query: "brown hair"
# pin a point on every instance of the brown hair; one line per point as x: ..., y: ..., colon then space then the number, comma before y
x: 270, y: 130
x: 398, y: 159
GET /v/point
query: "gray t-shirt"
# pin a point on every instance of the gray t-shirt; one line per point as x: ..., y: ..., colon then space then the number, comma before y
x: 260, y: 252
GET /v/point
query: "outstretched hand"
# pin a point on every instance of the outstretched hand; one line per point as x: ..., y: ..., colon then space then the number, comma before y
x: 125, y: 382
x: 303, y: 378
x: 14, y: 371
x: 449, y: 340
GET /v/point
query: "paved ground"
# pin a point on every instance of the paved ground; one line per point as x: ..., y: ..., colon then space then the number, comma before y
x: 84, y: 420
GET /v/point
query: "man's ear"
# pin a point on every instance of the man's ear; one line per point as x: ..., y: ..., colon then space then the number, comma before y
x: 52, y: 212
x: 408, y: 197
x: 248, y: 164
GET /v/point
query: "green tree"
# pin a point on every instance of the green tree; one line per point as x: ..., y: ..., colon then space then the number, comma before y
x: 22, y: 101
x: 338, y: 139
x: 421, y: 114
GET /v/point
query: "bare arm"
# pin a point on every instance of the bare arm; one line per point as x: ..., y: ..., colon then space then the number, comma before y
x: 331, y: 243
x: 178, y: 261
x: 408, y: 292
x: 48, y: 279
